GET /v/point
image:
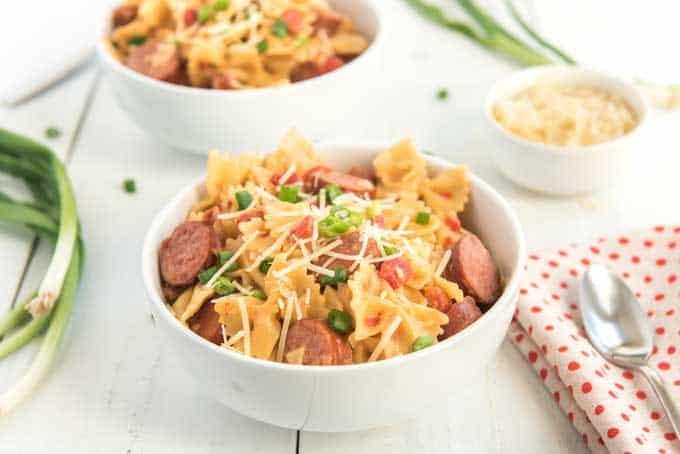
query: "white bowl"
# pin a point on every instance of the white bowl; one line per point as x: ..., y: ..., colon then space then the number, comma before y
x: 353, y: 397
x: 563, y: 170
x: 198, y: 119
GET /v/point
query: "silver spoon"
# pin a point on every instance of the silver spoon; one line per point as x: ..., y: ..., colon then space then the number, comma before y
x: 618, y: 329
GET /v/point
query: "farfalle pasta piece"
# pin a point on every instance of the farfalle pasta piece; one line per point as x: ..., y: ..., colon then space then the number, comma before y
x: 400, y: 168
x: 297, y: 288
x: 154, y: 12
x: 199, y: 296
x: 294, y: 149
x: 448, y: 192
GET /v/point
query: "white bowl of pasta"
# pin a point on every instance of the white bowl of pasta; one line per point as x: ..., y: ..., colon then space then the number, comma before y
x: 238, y: 67
x: 397, y: 355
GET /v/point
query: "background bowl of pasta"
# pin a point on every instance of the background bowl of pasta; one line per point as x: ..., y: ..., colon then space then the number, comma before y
x: 356, y: 396
x: 564, y: 130
x: 227, y: 91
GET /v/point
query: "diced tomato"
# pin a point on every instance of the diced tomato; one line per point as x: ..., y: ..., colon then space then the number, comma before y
x: 448, y: 242
x: 304, y: 228
x: 293, y: 178
x: 396, y: 272
x: 452, y: 222
x: 190, y: 16
x: 446, y: 194
x: 437, y: 298
x: 372, y: 320
x: 331, y: 64
x: 293, y: 20
x: 248, y: 215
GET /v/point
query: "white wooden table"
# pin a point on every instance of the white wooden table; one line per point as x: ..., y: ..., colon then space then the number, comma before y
x: 116, y: 389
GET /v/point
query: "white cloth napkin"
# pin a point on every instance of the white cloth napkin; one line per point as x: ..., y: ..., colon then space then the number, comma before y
x: 42, y: 41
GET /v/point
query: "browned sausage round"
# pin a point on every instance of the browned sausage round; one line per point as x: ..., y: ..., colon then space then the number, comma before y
x: 206, y: 323
x: 367, y: 173
x: 156, y: 59
x: 327, y: 20
x: 322, y: 346
x: 186, y: 252
x: 303, y: 71
x: 461, y: 315
x: 318, y: 177
x: 124, y: 14
x: 472, y: 267
x: 351, y: 245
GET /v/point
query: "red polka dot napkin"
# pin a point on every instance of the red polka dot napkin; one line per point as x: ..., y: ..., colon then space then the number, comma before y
x: 614, y: 409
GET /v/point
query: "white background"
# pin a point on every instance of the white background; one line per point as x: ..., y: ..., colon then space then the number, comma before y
x: 116, y: 389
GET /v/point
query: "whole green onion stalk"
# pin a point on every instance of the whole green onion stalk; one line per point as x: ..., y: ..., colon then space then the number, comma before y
x: 52, y: 216
x: 488, y: 33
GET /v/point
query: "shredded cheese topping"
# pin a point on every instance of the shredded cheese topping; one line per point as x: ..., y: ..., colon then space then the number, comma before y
x: 305, y: 260
x: 442, y: 263
x: 232, y: 260
x: 386, y: 335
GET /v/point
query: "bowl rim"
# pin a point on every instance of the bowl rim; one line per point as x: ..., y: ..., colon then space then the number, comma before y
x: 508, y: 297
x: 629, y: 93
x: 370, y: 52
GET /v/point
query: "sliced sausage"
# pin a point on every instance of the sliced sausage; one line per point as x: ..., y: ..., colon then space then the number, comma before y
x: 303, y: 71
x: 186, y: 252
x: 206, y: 323
x: 351, y: 245
x: 156, y: 59
x: 461, y: 315
x: 171, y: 293
x: 328, y: 21
x: 472, y: 267
x: 124, y: 14
x: 367, y: 173
x: 318, y: 177
x: 322, y: 346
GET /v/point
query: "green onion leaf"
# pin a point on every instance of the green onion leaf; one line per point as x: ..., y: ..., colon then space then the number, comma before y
x: 221, y: 5
x: 340, y: 321
x: 244, y: 199
x: 136, y: 40
x: 442, y: 94
x: 52, y: 132
x: 129, y: 186
x: 331, y: 226
x: 422, y: 342
x: 423, y: 218
x: 205, y: 13
x: 224, y: 256
x: 332, y: 191
x: 339, y: 276
x: 289, y: 193
x: 374, y: 209
x: 259, y: 294
x: 280, y: 28
x: 205, y: 275
x: 265, y: 265
x: 223, y: 286
x: 262, y: 46
x: 390, y: 250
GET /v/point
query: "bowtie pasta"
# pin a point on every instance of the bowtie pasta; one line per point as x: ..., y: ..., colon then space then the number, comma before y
x: 289, y: 260
x: 232, y: 44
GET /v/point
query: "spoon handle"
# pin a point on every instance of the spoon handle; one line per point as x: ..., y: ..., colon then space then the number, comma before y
x: 661, y: 392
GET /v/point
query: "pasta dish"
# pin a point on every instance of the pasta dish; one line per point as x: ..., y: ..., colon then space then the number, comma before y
x: 232, y: 44
x: 289, y: 260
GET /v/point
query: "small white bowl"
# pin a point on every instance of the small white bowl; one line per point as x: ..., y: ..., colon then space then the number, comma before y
x: 198, y: 119
x: 359, y: 396
x: 563, y: 170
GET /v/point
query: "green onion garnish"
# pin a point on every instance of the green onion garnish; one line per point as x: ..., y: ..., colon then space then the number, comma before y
x: 136, y: 40
x: 289, y: 193
x: 374, y: 209
x: 262, y: 46
x: 442, y: 94
x: 390, y: 250
x: 423, y: 218
x: 205, y: 13
x: 259, y: 294
x: 332, y: 192
x: 223, y: 286
x: 129, y: 186
x: 280, y: 28
x: 265, y: 265
x: 332, y: 226
x: 221, y: 5
x: 205, y: 275
x: 244, y: 199
x: 340, y: 321
x: 224, y: 256
x: 422, y: 342
x: 339, y: 276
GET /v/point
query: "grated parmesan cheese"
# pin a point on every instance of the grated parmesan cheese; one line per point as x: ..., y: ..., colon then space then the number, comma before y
x: 442, y: 263
x: 305, y: 260
x: 235, y: 338
x: 386, y: 336
x: 276, y: 245
x: 284, y: 331
x: 232, y: 260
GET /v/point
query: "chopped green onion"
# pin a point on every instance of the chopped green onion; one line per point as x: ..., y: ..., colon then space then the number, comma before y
x: 205, y: 275
x: 262, y: 46
x: 340, y: 321
x: 442, y: 94
x: 422, y: 342
x: 223, y: 286
x: 332, y: 226
x: 390, y: 250
x: 332, y: 192
x: 136, y: 40
x: 259, y: 294
x: 289, y: 193
x: 221, y: 5
x: 129, y: 186
x: 423, y: 218
x: 224, y: 257
x: 52, y: 132
x: 244, y: 199
x: 356, y: 218
x: 339, y: 276
x: 374, y: 209
x: 265, y: 265
x: 205, y: 13
x: 280, y: 28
